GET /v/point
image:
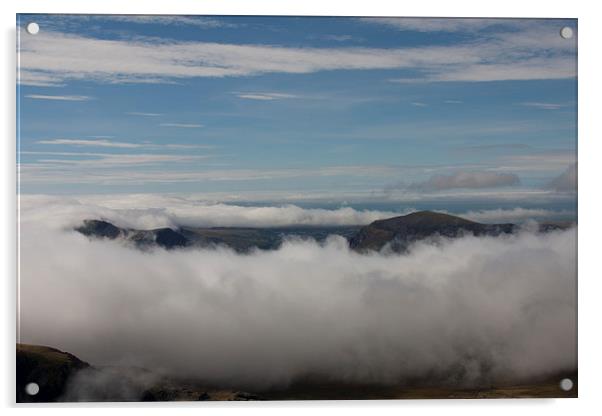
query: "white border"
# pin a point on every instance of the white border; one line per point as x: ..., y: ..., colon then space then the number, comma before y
x: 590, y: 209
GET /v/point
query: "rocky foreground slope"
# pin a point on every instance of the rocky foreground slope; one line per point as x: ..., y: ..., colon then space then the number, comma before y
x: 62, y: 377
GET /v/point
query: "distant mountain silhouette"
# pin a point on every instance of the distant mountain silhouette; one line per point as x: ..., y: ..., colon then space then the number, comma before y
x: 162, y: 237
x: 395, y: 233
x: 399, y: 232
x: 241, y: 239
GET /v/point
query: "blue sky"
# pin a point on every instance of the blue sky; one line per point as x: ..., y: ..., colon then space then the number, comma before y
x: 347, y: 108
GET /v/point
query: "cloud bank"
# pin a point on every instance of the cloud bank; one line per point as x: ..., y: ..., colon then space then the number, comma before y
x: 155, y: 211
x: 468, y: 311
x: 146, y: 211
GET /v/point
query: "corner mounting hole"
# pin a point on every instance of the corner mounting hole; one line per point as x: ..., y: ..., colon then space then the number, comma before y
x: 566, y: 32
x: 32, y: 28
x: 566, y: 384
x: 32, y: 389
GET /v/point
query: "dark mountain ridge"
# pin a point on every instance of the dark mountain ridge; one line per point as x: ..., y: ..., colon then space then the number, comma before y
x: 400, y: 232
x: 395, y: 233
x: 241, y: 239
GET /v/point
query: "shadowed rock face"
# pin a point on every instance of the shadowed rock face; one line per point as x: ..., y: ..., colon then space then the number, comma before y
x: 98, y: 228
x: 400, y: 232
x: 162, y: 237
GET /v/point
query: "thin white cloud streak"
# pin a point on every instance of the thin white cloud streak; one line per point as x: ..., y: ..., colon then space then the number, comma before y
x: 92, y: 143
x: 38, y: 79
x: 136, y: 113
x: 38, y: 173
x: 182, y: 125
x: 102, y: 162
x: 168, y: 20
x: 528, y: 69
x: 182, y: 146
x: 265, y: 319
x: 265, y: 96
x: 116, y: 144
x: 546, y: 161
x: 544, y: 106
x: 422, y: 24
x: 337, y: 38
x: 58, y: 97
x: 530, y: 54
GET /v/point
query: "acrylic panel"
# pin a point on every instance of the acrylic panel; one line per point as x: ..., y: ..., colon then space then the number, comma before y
x: 296, y: 208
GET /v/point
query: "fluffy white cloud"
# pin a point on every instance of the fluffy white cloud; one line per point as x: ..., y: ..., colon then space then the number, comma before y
x: 481, y: 309
x: 147, y: 211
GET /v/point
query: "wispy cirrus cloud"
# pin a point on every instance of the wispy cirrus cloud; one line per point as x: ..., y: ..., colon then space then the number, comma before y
x: 527, y: 52
x: 545, y: 161
x: 168, y: 20
x: 117, y: 144
x: 544, y: 106
x: 105, y: 161
x: 58, y: 97
x: 93, y: 143
x: 97, y: 168
x: 422, y: 24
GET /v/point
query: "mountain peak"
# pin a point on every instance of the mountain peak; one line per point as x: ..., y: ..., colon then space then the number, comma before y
x: 422, y: 219
x: 400, y: 232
